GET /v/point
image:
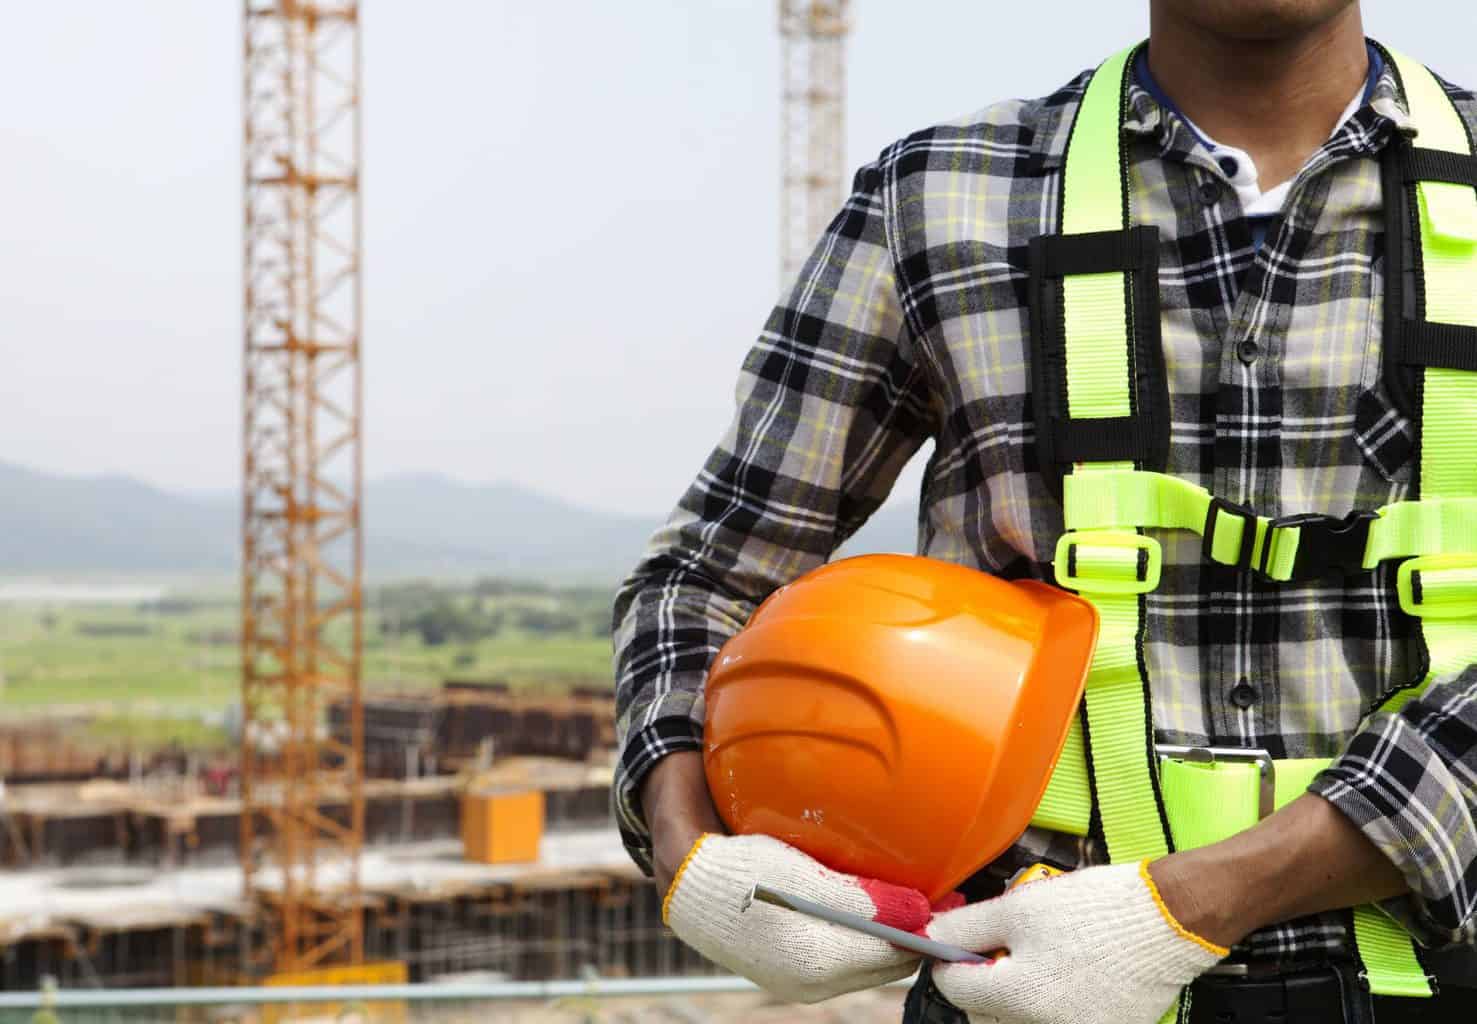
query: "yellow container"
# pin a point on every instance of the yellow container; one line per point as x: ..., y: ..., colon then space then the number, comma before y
x: 502, y: 826
x: 390, y: 1011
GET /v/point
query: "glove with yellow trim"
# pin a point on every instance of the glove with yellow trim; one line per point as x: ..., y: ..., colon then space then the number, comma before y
x: 1092, y: 945
x: 794, y: 957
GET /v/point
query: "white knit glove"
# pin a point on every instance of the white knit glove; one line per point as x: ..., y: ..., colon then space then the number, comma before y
x: 788, y: 954
x: 1081, y: 948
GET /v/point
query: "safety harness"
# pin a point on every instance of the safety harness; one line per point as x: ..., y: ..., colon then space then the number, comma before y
x: 1102, y: 408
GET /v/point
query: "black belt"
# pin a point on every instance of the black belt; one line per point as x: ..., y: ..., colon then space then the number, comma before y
x: 1316, y: 995
x: 1321, y: 995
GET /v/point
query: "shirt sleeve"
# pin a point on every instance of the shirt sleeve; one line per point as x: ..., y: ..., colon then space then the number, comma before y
x: 831, y: 404
x: 1408, y: 779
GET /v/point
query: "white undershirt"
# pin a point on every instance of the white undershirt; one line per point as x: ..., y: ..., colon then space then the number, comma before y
x: 1241, y: 170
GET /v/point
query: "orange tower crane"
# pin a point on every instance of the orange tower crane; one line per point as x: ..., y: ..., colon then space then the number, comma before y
x: 812, y: 123
x: 302, y: 821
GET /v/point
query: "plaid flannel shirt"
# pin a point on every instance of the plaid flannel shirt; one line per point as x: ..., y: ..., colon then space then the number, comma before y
x: 909, y: 324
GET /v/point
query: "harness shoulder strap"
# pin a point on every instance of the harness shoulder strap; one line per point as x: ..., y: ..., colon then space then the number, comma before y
x: 1431, y: 365
x: 1098, y: 381
x: 1102, y: 404
x: 1431, y: 373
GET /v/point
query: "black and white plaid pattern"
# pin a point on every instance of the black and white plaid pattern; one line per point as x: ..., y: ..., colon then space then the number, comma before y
x: 908, y: 324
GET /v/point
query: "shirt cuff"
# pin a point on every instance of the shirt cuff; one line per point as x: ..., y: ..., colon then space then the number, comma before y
x: 639, y: 754
x: 1403, y: 797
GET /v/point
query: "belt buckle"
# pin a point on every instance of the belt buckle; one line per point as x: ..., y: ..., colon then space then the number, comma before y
x: 1248, y: 518
x: 1266, y: 799
x: 1149, y: 562
x: 1326, y: 544
x: 1266, y: 785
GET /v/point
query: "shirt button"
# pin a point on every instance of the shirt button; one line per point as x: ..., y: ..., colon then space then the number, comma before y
x: 1247, y: 351
x: 1244, y: 695
x: 1210, y: 192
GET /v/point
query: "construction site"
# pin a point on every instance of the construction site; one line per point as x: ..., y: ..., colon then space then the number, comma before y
x: 464, y: 833
x: 438, y: 570
x: 497, y: 864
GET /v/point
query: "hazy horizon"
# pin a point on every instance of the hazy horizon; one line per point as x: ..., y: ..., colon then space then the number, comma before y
x: 571, y: 221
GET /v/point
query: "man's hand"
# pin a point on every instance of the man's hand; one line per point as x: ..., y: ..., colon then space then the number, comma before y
x: 704, y: 877
x: 1093, y: 945
x: 1306, y: 858
x: 678, y: 809
x: 1116, y: 943
x: 790, y: 955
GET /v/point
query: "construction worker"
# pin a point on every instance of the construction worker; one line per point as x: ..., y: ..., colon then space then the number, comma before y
x: 1279, y: 218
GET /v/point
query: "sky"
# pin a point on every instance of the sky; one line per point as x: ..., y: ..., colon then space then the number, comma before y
x: 570, y: 219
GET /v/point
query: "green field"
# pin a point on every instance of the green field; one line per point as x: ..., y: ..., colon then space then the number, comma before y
x: 139, y: 661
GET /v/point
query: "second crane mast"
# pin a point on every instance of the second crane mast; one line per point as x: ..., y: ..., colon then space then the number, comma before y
x: 813, y: 36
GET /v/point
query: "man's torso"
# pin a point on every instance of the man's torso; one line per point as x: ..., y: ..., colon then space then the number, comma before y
x: 1273, y: 359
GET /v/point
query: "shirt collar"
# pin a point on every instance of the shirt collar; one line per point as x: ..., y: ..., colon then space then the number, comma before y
x: 1387, y: 100
x: 1153, y: 117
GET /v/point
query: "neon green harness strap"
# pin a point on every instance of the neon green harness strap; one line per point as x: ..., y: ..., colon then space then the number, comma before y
x: 1066, y: 806
x: 1127, y: 498
x: 1439, y: 586
x: 1441, y: 589
x: 1390, y: 964
x: 1098, y: 317
x: 1209, y: 802
x: 1096, y: 312
x: 1448, y: 239
x: 1106, y: 568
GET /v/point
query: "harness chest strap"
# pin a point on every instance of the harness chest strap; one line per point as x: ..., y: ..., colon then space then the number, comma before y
x: 1100, y: 392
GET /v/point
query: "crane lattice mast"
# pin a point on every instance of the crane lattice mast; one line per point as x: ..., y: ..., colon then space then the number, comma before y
x: 812, y: 123
x: 302, y: 821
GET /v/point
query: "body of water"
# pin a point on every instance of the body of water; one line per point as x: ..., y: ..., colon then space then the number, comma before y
x: 22, y: 591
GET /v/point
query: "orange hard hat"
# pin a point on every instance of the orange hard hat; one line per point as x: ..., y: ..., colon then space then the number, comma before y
x: 896, y: 717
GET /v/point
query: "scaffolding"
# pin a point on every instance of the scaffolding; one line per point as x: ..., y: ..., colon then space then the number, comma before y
x: 582, y: 907
x: 812, y: 123
x: 302, y: 555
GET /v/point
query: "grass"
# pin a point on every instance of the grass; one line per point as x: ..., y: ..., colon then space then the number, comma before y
x: 72, y: 657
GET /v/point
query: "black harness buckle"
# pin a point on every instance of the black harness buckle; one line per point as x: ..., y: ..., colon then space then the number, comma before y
x: 1326, y: 544
x: 1248, y: 530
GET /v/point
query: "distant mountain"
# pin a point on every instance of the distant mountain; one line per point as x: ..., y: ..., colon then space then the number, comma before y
x: 108, y: 523
x: 434, y: 522
x: 414, y: 524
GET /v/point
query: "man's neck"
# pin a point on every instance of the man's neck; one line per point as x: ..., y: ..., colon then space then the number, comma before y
x: 1278, y: 100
